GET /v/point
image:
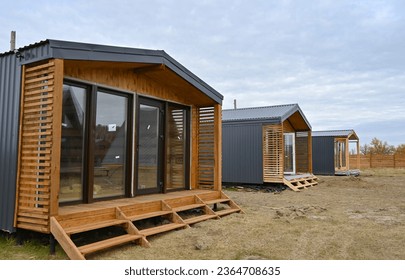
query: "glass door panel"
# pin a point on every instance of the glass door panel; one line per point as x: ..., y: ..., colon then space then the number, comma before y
x: 150, y: 139
x: 176, y: 148
x: 72, y: 142
x: 289, y: 153
x: 110, y: 145
x: 340, y: 154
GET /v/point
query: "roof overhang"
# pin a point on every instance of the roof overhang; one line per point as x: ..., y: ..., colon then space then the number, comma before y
x: 149, y: 61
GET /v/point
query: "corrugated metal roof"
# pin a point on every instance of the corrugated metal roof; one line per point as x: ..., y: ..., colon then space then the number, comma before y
x: 278, y: 112
x: 336, y: 133
x: 93, y: 52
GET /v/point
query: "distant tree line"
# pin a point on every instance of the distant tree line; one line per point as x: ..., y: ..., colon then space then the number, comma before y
x: 379, y: 147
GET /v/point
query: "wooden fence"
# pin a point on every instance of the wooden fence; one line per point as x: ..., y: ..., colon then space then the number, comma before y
x: 378, y: 161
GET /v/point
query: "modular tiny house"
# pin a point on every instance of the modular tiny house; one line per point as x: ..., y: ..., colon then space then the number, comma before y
x: 331, y: 150
x: 269, y: 144
x: 100, y: 136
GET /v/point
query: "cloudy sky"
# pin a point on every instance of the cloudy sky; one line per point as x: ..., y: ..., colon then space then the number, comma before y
x: 342, y: 61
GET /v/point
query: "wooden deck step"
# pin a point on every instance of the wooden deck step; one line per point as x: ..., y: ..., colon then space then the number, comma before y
x: 188, y: 207
x: 215, y: 201
x: 200, y: 218
x: 160, y: 229
x: 227, y: 211
x: 93, y: 226
x: 149, y: 215
x: 108, y: 243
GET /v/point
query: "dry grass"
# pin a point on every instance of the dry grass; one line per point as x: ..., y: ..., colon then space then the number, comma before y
x: 342, y: 218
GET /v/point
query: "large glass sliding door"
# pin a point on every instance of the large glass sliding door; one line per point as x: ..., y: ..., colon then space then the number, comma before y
x: 95, y: 144
x: 150, y: 146
x: 72, y: 148
x: 110, y: 145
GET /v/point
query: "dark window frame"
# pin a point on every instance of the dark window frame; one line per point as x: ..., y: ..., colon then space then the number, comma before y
x: 89, y: 136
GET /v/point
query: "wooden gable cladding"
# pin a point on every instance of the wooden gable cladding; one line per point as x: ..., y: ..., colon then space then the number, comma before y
x: 39, y: 142
x: 273, y: 163
x: 151, y: 80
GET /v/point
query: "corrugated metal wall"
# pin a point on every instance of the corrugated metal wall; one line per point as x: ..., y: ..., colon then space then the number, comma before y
x: 10, y: 76
x: 323, y: 155
x: 242, y: 156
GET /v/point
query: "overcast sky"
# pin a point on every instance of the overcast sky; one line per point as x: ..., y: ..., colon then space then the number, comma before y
x: 342, y: 61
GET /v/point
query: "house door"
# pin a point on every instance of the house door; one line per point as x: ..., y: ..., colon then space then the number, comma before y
x: 289, y: 153
x: 340, y: 154
x: 150, y: 143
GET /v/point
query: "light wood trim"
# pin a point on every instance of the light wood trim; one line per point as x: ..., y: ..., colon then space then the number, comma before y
x: 310, y: 162
x: 56, y: 136
x: 194, y: 148
x: 16, y: 208
x: 218, y: 147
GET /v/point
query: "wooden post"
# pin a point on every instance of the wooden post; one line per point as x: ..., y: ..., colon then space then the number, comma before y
x: 56, y: 137
x: 218, y: 147
x: 310, y: 169
x: 194, y: 148
x: 358, y: 154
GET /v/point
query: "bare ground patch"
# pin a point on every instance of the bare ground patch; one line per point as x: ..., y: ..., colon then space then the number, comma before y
x: 341, y: 218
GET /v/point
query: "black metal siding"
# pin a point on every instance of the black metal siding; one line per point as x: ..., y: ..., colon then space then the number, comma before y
x: 242, y: 156
x: 10, y: 76
x: 323, y: 155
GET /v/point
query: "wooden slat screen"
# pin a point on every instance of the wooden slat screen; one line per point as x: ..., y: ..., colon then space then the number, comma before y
x: 273, y: 153
x: 35, y: 154
x: 206, y: 150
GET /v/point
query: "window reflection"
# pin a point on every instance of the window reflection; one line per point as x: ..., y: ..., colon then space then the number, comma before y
x: 110, y: 145
x: 71, y: 165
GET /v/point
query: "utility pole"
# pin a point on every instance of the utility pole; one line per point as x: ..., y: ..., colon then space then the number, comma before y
x: 12, y: 41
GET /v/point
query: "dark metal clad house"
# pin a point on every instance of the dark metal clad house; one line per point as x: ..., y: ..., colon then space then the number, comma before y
x: 331, y: 152
x: 130, y: 131
x: 269, y: 144
x: 10, y: 81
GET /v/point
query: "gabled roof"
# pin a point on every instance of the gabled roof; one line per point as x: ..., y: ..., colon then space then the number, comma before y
x: 347, y: 133
x: 277, y: 113
x: 93, y: 52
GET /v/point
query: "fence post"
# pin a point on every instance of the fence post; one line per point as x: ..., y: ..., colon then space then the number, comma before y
x: 371, y: 160
x: 394, y: 161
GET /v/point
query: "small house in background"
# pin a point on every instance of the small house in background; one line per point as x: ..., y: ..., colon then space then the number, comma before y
x: 270, y: 144
x: 331, y: 151
x: 98, y: 136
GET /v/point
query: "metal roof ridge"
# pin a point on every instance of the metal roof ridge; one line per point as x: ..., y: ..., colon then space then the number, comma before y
x: 262, y: 107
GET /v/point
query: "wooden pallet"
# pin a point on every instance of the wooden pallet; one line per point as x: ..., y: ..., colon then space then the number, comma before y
x: 298, y: 184
x: 177, y: 213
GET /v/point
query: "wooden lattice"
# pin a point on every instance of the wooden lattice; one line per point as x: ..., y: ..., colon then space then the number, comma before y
x: 37, y: 129
x: 273, y: 153
x: 206, y: 150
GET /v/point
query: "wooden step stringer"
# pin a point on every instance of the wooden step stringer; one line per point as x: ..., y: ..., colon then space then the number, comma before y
x: 299, y: 184
x: 64, y: 226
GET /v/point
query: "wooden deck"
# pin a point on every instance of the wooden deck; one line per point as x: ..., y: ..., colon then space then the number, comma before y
x: 137, y: 218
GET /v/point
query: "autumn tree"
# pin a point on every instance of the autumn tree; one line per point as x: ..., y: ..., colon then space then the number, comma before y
x: 381, y: 148
x: 400, y: 149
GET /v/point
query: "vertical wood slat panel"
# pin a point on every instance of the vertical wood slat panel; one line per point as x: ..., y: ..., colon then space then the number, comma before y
x: 206, y: 147
x: 38, y: 154
x: 273, y: 168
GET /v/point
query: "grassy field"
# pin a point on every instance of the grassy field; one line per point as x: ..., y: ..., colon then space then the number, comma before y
x: 343, y: 218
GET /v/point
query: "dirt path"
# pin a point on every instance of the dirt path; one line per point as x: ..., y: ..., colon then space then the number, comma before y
x: 342, y: 218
